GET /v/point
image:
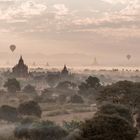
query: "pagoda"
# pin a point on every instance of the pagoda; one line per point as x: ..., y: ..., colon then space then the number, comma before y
x: 21, y: 69
x: 65, y: 71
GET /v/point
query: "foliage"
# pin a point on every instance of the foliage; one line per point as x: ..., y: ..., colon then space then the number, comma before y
x: 45, y: 99
x: 52, y: 79
x: 123, y: 92
x: 93, y: 82
x: 62, y: 98
x: 28, y: 120
x: 138, y: 121
x: 72, y: 125
x: 30, y: 108
x: 8, y: 113
x: 12, y: 85
x: 44, y: 130
x: 90, y: 86
x: 116, y: 109
x: 66, y: 85
x: 76, y: 99
x: 29, y: 89
x: 73, y: 135
x: 107, y: 127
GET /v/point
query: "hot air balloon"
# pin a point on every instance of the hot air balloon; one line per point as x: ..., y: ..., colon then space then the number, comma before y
x: 128, y: 56
x: 12, y: 48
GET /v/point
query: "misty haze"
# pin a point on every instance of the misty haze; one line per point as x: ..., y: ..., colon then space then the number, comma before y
x: 69, y: 70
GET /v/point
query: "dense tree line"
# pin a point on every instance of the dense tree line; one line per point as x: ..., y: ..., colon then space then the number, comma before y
x: 118, y: 104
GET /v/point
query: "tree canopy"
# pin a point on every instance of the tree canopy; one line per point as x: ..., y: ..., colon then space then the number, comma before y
x: 107, y: 127
x: 12, y: 85
x: 30, y: 108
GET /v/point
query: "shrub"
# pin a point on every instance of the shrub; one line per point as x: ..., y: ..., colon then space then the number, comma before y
x: 90, y: 86
x: 12, y: 85
x: 29, y: 89
x: 76, y: 99
x: 30, y: 108
x: 66, y: 85
x: 45, y: 130
x: 8, y: 113
x: 107, y: 127
x: 73, y: 125
x: 115, y: 109
x: 73, y: 135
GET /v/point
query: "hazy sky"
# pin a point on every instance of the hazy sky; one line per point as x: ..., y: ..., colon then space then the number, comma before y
x: 105, y: 28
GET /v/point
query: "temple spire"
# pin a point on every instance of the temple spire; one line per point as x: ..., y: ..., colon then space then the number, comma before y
x: 20, y: 70
x: 21, y: 61
x: 65, y: 71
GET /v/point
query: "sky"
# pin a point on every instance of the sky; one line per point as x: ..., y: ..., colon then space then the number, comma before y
x: 106, y: 29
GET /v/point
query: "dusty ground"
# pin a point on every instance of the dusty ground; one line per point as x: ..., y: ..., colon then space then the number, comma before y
x: 68, y: 117
x: 68, y: 112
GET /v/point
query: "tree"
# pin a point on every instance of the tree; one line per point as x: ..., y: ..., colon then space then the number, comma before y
x: 72, y: 125
x: 12, y: 85
x: 66, y: 85
x: 29, y: 89
x: 44, y: 130
x: 30, y: 108
x: 90, y: 86
x: 122, y: 92
x: 74, y: 135
x: 52, y: 79
x: 83, y: 86
x: 138, y: 121
x: 46, y: 96
x: 93, y: 82
x: 116, y: 109
x: 47, y: 131
x: 22, y: 129
x: 125, y: 93
x: 8, y: 113
x: 107, y: 127
x: 76, y: 99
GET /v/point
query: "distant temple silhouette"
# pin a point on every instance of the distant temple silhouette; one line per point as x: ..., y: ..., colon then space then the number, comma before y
x: 20, y: 70
x: 95, y: 62
x: 65, y: 71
